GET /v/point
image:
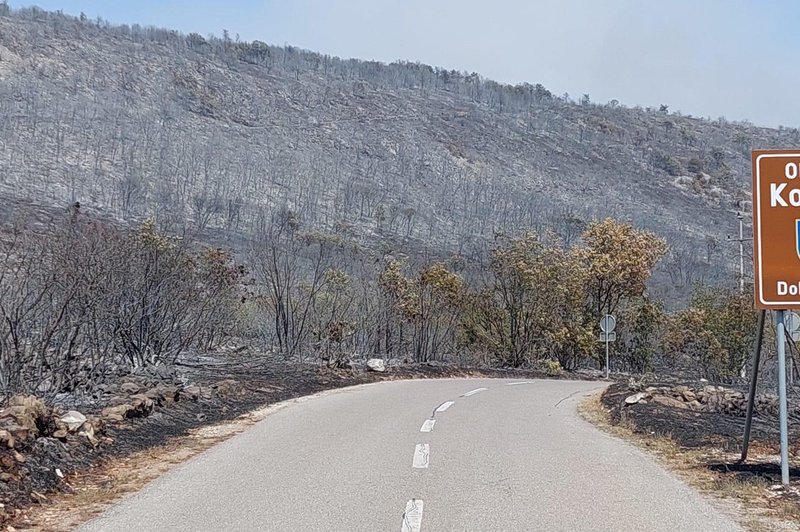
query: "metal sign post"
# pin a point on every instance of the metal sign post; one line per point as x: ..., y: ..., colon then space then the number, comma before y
x: 781, y: 334
x: 791, y: 322
x: 607, y: 326
x: 751, y: 399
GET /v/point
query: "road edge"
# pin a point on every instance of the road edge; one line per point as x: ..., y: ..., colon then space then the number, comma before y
x: 730, y: 498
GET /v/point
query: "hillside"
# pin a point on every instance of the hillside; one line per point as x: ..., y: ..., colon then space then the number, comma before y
x: 211, y: 135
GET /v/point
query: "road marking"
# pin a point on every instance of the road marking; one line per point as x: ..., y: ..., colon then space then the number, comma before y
x: 412, y: 518
x: 428, y: 425
x: 421, y: 456
x: 444, y: 406
x: 518, y: 383
x: 473, y: 392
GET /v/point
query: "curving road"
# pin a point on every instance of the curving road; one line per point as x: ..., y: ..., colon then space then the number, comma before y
x: 500, y: 456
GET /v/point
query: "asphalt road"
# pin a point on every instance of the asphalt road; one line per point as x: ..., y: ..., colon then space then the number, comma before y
x: 514, y: 456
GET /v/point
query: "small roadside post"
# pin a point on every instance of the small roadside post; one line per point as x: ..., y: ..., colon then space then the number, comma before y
x: 776, y: 263
x: 791, y: 322
x: 607, y: 325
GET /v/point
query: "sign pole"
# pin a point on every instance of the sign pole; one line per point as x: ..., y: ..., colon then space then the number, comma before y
x: 781, y: 334
x: 607, y: 325
x: 751, y: 399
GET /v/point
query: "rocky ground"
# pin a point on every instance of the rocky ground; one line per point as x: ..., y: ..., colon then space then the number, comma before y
x: 43, y: 447
x: 697, y: 414
x: 698, y: 428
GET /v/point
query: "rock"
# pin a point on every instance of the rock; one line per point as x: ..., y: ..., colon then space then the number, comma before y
x: 669, y: 401
x: 688, y: 396
x: 141, y: 405
x: 61, y: 434
x: 18, y: 432
x: 87, y: 431
x: 696, y: 406
x: 162, y: 393
x: 7, y: 439
x: 129, y: 388
x: 73, y: 420
x: 193, y: 391
x: 116, y: 413
x: 376, y: 364
x: 636, y: 398
x: 201, y: 417
x: 25, y: 411
x: 7, y: 462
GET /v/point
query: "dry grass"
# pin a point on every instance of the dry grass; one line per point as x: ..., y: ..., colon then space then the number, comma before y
x: 750, y: 500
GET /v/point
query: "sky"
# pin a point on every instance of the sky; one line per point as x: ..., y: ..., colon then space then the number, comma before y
x: 711, y: 58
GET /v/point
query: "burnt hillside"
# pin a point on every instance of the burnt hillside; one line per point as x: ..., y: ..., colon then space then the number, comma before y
x: 213, y: 136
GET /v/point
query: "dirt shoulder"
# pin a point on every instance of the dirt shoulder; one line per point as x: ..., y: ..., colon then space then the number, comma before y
x: 139, y: 428
x: 702, y: 443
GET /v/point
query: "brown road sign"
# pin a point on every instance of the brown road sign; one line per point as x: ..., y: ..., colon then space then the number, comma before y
x: 776, y: 228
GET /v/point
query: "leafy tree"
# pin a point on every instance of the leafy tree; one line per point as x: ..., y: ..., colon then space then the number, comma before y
x: 619, y: 260
x: 638, y: 334
x: 715, y: 333
x: 534, y: 306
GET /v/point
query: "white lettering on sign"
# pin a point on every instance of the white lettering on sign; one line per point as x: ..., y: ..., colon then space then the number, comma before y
x: 791, y: 170
x: 778, y: 195
x: 786, y: 289
x: 775, y: 191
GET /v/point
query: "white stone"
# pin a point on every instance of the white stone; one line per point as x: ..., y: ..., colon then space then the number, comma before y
x: 73, y: 420
x: 635, y: 398
x: 376, y: 364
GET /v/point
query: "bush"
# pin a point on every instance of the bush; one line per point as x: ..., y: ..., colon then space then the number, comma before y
x: 714, y: 334
x: 667, y: 163
x: 84, y: 299
x: 552, y: 367
x: 639, y: 331
x: 696, y: 165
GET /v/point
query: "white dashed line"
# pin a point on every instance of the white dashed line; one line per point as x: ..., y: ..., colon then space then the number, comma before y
x: 518, y: 383
x: 444, y: 406
x: 421, y: 456
x: 473, y: 392
x: 428, y: 425
x: 412, y: 518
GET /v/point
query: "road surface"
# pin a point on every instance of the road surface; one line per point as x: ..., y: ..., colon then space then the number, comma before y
x: 500, y: 455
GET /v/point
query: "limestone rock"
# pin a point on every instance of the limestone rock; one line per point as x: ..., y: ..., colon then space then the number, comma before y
x: 636, y: 398
x: 376, y: 364
x: 142, y: 406
x: 73, y: 420
x: 23, y: 411
x: 129, y: 388
x: 670, y: 402
x: 7, y: 439
x: 116, y: 413
x: 193, y: 391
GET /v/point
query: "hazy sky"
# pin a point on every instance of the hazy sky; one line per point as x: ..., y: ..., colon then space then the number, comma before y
x: 729, y: 58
